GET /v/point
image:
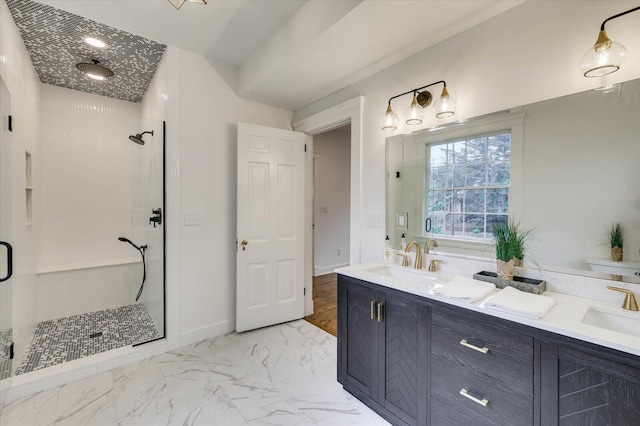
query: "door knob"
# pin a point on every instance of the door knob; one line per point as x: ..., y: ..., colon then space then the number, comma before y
x: 244, y: 243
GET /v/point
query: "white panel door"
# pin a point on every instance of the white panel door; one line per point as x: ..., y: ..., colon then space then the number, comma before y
x: 271, y: 244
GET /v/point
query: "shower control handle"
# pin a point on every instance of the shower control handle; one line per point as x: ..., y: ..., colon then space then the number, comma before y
x: 156, y: 219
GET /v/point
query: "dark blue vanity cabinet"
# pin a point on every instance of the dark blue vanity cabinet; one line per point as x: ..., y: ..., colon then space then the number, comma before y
x: 382, y: 341
x: 416, y: 361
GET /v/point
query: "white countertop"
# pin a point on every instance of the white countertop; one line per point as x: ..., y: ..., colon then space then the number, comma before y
x: 564, y: 318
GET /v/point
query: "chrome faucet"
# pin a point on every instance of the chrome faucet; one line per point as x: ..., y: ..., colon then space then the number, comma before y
x: 418, y: 263
x: 430, y: 242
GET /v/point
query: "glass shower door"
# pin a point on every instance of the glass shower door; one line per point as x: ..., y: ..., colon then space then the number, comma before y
x: 148, y: 224
x: 6, y: 297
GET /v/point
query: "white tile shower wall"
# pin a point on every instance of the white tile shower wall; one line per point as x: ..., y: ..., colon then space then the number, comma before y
x: 87, y: 174
x: 74, y: 292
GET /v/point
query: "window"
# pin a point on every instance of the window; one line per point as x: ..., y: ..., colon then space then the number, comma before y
x: 467, y: 185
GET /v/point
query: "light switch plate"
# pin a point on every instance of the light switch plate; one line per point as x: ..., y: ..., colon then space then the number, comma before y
x: 191, y: 219
x: 375, y: 220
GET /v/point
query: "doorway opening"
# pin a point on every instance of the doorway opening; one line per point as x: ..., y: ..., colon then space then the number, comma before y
x: 331, y: 221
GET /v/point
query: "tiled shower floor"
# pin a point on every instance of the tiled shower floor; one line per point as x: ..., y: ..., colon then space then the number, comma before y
x: 5, y: 361
x: 65, y: 339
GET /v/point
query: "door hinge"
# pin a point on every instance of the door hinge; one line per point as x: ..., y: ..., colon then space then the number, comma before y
x: 11, y: 351
x: 10, y: 124
x: 304, y: 292
x: 305, y: 147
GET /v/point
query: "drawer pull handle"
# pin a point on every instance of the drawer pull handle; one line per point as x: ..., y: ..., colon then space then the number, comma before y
x: 484, y: 402
x: 464, y: 343
x: 380, y: 306
x: 373, y: 309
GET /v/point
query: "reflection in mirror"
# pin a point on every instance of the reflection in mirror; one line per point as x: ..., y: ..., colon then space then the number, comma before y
x: 566, y: 168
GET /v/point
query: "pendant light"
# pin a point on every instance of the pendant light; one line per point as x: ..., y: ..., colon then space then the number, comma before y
x: 414, y: 114
x: 606, y: 56
x: 445, y: 106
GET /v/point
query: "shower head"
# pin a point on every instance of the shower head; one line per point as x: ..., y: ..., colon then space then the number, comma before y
x: 125, y: 240
x: 138, y: 138
x: 94, y: 70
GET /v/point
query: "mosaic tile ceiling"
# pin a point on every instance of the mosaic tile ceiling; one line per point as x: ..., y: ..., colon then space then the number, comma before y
x: 54, y: 40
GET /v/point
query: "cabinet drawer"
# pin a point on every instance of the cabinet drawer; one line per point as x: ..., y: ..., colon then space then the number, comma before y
x: 447, y: 349
x: 500, y: 341
x: 446, y: 415
x: 505, y: 405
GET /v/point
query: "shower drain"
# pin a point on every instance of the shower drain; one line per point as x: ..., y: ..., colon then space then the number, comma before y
x: 98, y: 334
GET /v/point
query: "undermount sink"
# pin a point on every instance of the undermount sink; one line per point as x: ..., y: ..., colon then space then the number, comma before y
x: 403, y: 274
x: 622, y: 322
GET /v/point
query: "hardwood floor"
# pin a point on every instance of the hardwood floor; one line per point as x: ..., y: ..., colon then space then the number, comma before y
x: 325, y: 303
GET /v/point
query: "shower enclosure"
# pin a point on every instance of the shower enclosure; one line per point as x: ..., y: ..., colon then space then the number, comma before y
x: 84, y: 213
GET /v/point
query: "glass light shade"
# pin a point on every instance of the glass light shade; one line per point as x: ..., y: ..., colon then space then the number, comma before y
x: 389, y: 121
x: 445, y: 106
x: 605, y: 57
x: 414, y: 115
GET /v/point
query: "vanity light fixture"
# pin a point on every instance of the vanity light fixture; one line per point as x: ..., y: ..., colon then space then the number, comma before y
x: 444, y: 107
x: 178, y: 3
x: 606, y: 56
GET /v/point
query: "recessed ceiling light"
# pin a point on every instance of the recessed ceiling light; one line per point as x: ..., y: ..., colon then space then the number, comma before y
x: 95, y: 76
x: 92, y: 41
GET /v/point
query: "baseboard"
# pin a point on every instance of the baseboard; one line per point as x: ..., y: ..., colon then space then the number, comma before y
x: 207, y: 332
x: 323, y: 270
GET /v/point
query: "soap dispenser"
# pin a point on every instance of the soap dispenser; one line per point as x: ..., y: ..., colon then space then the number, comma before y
x: 403, y: 242
x: 387, y: 251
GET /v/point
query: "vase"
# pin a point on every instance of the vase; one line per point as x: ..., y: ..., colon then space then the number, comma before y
x: 616, y: 254
x: 505, y: 269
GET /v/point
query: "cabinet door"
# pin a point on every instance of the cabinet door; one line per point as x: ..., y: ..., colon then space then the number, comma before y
x: 404, y: 329
x: 595, y: 391
x: 357, y: 337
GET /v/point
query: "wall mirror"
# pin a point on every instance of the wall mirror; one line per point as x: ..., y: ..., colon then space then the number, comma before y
x: 574, y: 170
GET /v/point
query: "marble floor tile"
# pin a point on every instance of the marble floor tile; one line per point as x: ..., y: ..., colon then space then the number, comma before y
x: 280, y: 375
x: 38, y: 409
x: 87, y: 402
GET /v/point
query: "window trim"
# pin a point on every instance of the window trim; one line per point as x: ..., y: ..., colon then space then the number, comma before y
x: 511, y: 121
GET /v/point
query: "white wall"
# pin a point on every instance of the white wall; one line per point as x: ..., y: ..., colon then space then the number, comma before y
x: 331, y: 168
x: 528, y: 54
x: 20, y: 78
x: 209, y: 113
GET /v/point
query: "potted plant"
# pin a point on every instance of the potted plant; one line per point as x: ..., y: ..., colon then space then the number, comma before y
x: 616, y: 238
x: 510, y: 241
